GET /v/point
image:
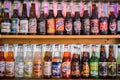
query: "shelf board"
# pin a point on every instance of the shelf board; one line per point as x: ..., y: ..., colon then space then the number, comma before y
x: 60, y: 36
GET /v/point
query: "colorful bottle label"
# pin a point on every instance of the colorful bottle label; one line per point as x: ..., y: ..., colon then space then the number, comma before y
x: 9, y: 69
x: 94, y: 26
x: 103, y: 69
x: 5, y: 27
x: 118, y: 25
x: 112, y: 26
x: 56, y: 69
x: 2, y: 68
x: 51, y: 26
x: 47, y: 68
x: 60, y: 24
x: 86, y: 25
x: 94, y: 69
x: 42, y: 26
x: 77, y: 25
x: 23, y: 26
x: 75, y: 69
x: 68, y: 26
x: 111, y: 68
x: 15, y: 25
x: 118, y: 70
x: 103, y: 26
x: 37, y: 70
x: 66, y: 69
x: 85, y: 69
x: 19, y: 69
x: 28, y: 69
x: 33, y: 25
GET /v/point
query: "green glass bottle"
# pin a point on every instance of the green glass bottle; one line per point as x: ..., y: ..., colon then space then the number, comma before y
x: 94, y: 63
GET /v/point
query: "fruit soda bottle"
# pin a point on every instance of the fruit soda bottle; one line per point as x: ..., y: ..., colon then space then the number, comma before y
x: 19, y: 62
x: 28, y: 62
x: 2, y: 62
x: 37, y: 64
x: 56, y: 63
x: 47, y: 62
x: 75, y: 64
x: 66, y: 63
x: 10, y: 62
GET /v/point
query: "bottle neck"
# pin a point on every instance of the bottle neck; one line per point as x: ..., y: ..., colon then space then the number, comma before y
x: 77, y: 15
x: 24, y: 11
x: 51, y: 13
x: 59, y: 14
x: 86, y: 14
x: 6, y: 15
x: 15, y: 12
x: 68, y: 15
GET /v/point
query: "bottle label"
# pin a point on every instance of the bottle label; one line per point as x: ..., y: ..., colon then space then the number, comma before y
x: 9, y: 69
x: 111, y: 68
x: 47, y: 68
x: 33, y: 25
x: 103, y: 26
x: 37, y: 69
x: 77, y: 26
x: 94, y: 69
x: 51, y: 26
x: 19, y: 69
x: 5, y: 27
x: 59, y: 24
x: 15, y: 25
x: 28, y: 68
x: 66, y: 68
x: 94, y: 26
x: 118, y: 70
x: 42, y: 27
x: 113, y: 26
x: 68, y: 26
x: 2, y: 68
x: 23, y: 26
x: 103, y: 68
x: 86, y: 25
x: 118, y: 25
x: 85, y: 69
x: 75, y: 69
x: 56, y: 69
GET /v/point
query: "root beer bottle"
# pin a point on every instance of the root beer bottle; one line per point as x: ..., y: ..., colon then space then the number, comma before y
x: 86, y: 22
x: 102, y: 63
x: 77, y: 22
x: 59, y: 21
x: 32, y: 26
x: 51, y: 21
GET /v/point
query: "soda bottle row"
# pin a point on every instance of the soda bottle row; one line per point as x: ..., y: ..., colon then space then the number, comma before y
x: 60, y: 61
x: 60, y: 24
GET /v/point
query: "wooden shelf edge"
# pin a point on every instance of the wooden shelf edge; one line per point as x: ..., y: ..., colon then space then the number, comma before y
x: 60, y: 36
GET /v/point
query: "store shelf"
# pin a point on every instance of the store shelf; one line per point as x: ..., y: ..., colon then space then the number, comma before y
x: 60, y: 36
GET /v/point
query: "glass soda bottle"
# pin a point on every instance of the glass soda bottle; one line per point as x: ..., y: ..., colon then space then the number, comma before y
x: 19, y: 62
x: 41, y: 23
x: 60, y: 21
x: 111, y: 63
x: 47, y: 64
x: 118, y: 62
x: 56, y: 62
x: 85, y: 71
x: 103, y: 23
x: 68, y: 22
x: 24, y: 20
x: 10, y: 62
x: 94, y: 63
x: 51, y: 21
x: 112, y: 21
x: 94, y: 22
x: 5, y: 23
x: 75, y: 63
x: 86, y: 22
x: 37, y: 64
x: 32, y: 23
x: 15, y: 21
x: 103, y: 63
x: 77, y: 22
x: 2, y: 62
x: 66, y: 63
x: 28, y: 62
